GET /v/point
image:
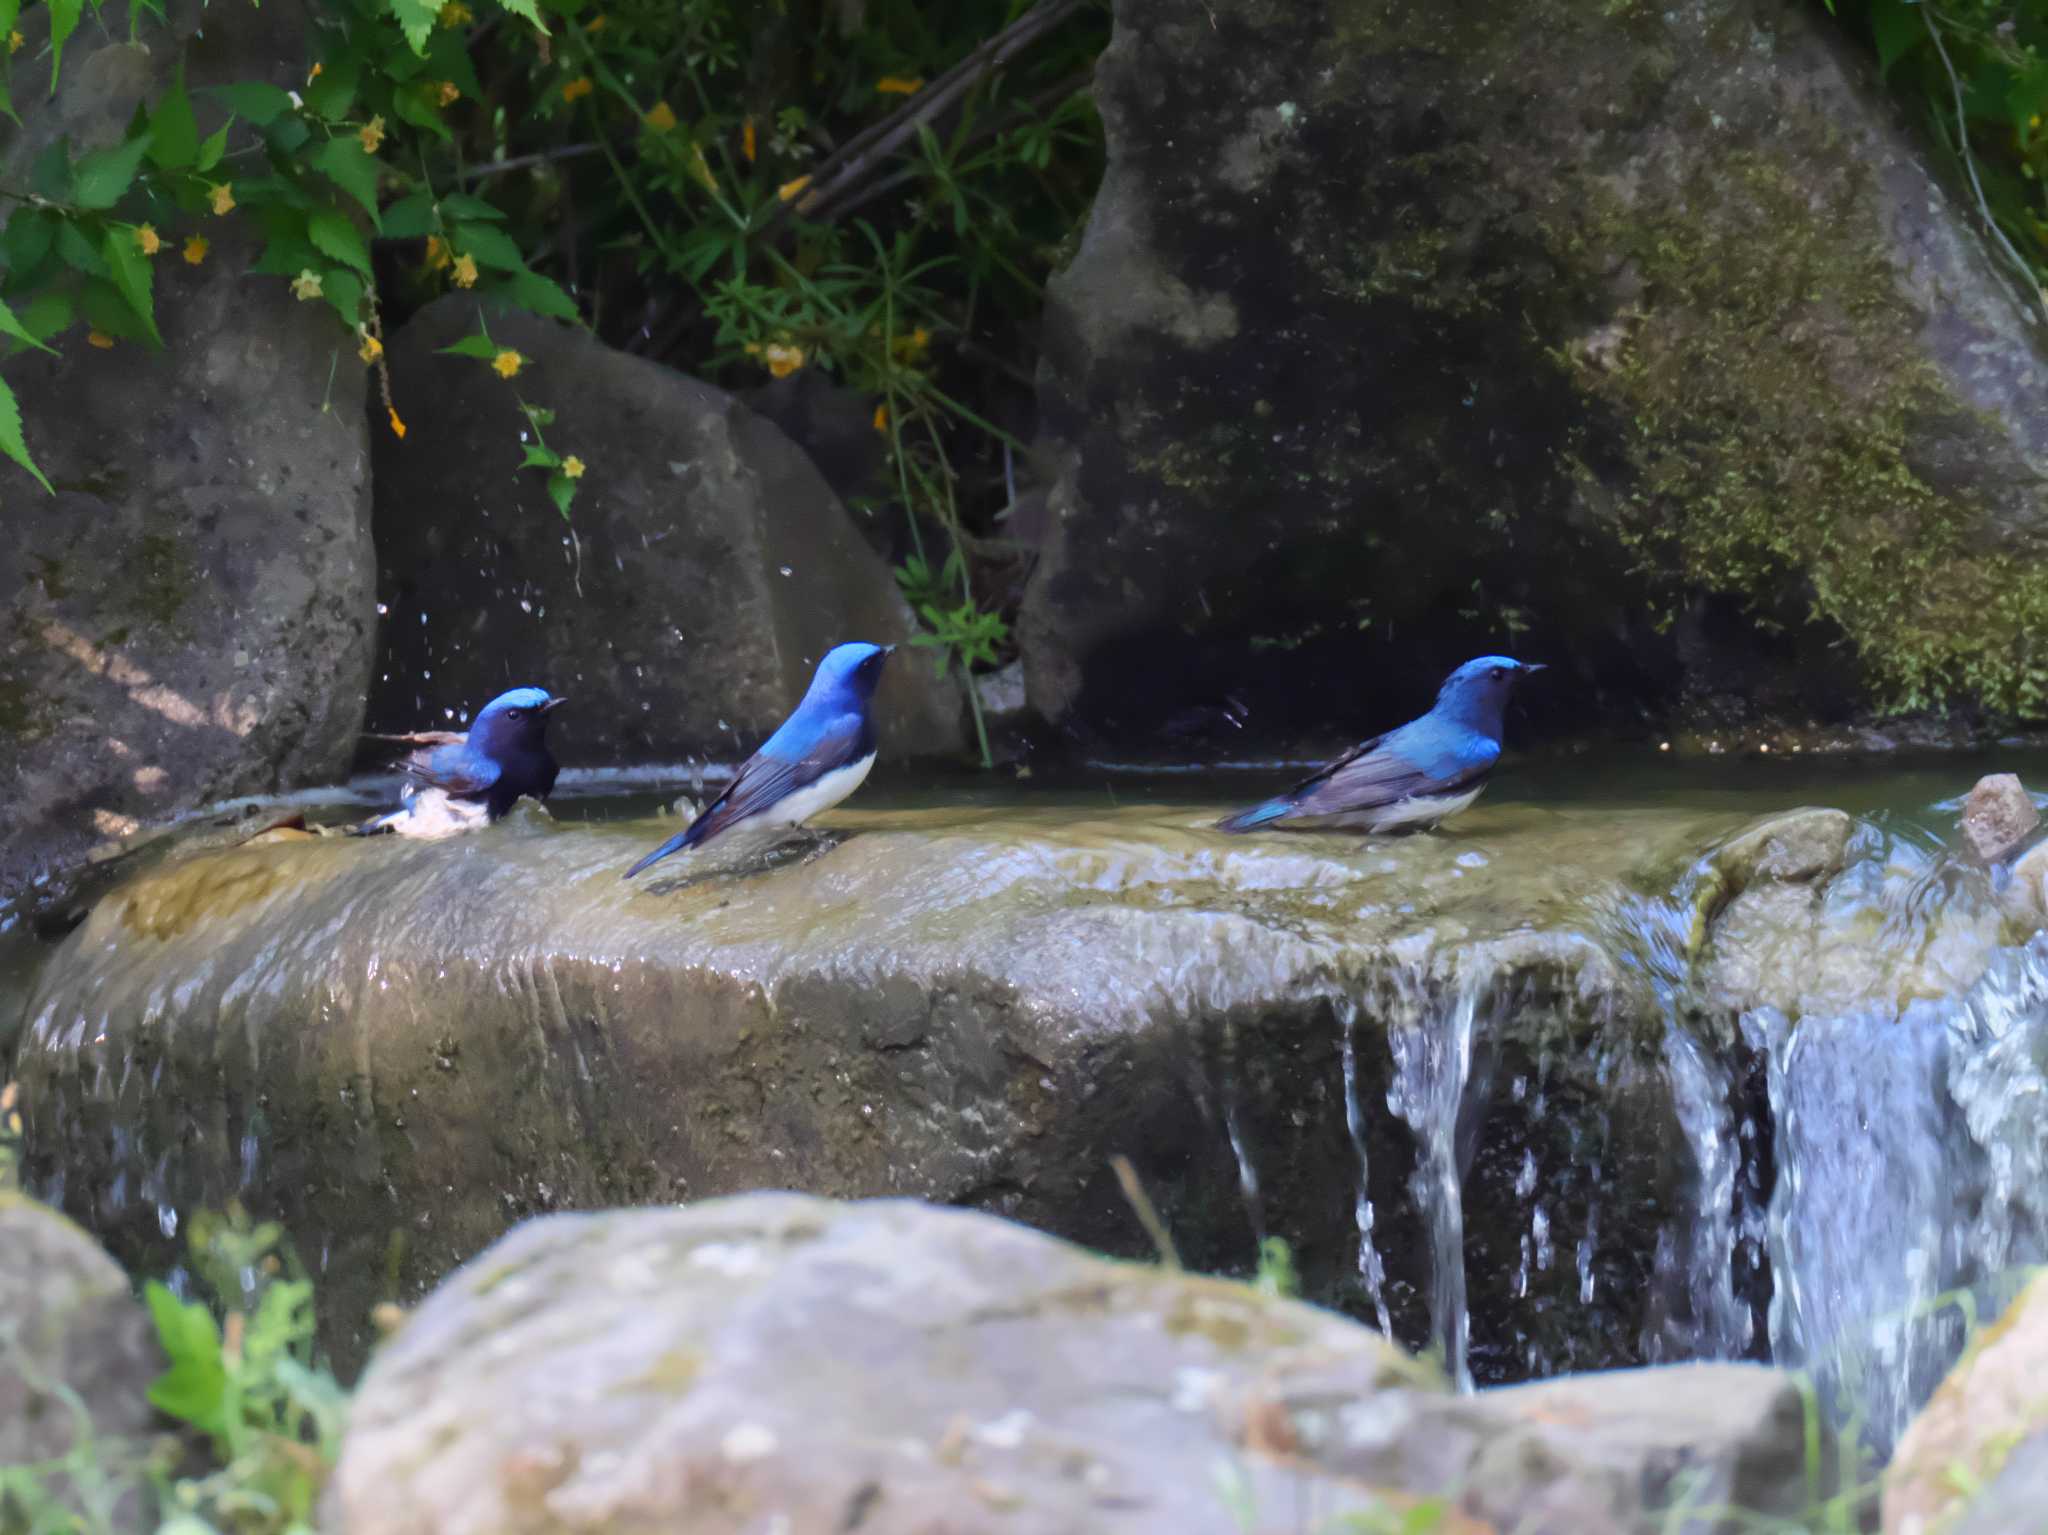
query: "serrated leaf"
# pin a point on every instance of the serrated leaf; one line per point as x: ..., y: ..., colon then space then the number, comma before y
x: 333, y: 91
x: 344, y: 290
x: 345, y: 162
x: 130, y: 271
x: 104, y: 176
x: 64, y: 16
x: 562, y: 490
x: 412, y: 106
x: 48, y: 314
x: 12, y: 443
x: 409, y: 218
x: 491, y: 247
x: 194, y: 1389
x: 173, y: 130
x: 333, y: 234
x: 525, y: 10
x: 261, y: 104
x: 50, y: 176
x: 540, y: 458
x: 77, y: 252
x: 29, y: 236
x: 416, y: 20
x: 106, y: 310
x: 215, y: 146
x: 474, y: 346
x: 448, y: 59
x: 460, y: 205
x: 288, y: 135
x: 538, y: 294
x: 1898, y: 29
x: 11, y: 326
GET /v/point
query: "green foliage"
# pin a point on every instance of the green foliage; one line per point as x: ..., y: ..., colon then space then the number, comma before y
x: 964, y: 633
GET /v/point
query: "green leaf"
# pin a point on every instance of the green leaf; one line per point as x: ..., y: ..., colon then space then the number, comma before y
x: 10, y: 326
x: 416, y: 19
x: 333, y: 91
x: 50, y: 177
x: 538, y: 457
x: 77, y: 252
x: 1898, y: 29
x: 334, y: 235
x: 12, y: 443
x: 105, y: 309
x: 344, y: 290
x: 48, y: 314
x: 261, y: 104
x: 345, y: 162
x: 562, y: 490
x: 194, y: 1389
x: 7, y: 97
x: 10, y: 12
x: 475, y: 346
x: 416, y: 106
x: 541, y: 295
x: 173, y: 131
x: 215, y: 146
x: 64, y: 16
x: 30, y: 234
x: 129, y: 269
x: 410, y: 218
x: 490, y: 246
x: 288, y: 135
x: 103, y: 176
x: 526, y: 10
x: 460, y: 205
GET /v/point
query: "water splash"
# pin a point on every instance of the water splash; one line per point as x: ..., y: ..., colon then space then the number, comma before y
x: 1370, y: 1269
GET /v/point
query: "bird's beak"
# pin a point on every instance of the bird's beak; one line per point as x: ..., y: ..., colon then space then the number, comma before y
x: 1535, y: 666
x: 888, y: 650
x: 552, y: 705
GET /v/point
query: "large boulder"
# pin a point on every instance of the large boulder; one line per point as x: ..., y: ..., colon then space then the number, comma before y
x: 190, y: 616
x: 704, y: 570
x: 1405, y: 331
x: 781, y: 1363
x: 77, y: 1356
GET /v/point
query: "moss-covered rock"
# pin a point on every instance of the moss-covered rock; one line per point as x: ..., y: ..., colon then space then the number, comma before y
x: 1636, y: 337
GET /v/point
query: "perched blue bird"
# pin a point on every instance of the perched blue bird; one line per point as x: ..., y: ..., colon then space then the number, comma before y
x: 1411, y: 778
x: 820, y: 755
x: 456, y: 783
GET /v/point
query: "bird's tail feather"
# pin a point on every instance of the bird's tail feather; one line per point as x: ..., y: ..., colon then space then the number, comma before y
x: 376, y: 824
x: 674, y: 844
x: 1257, y: 816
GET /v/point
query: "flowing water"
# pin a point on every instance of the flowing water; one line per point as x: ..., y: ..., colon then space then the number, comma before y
x: 1574, y: 1103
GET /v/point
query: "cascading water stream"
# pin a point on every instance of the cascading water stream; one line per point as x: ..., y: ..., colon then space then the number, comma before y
x: 1370, y: 1268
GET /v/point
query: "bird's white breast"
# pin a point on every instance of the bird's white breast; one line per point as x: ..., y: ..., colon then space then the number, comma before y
x: 430, y: 814
x: 815, y: 798
x: 1416, y: 811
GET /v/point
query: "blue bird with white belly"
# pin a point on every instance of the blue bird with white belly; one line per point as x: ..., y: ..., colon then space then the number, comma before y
x: 821, y: 754
x: 456, y: 782
x: 1413, y: 777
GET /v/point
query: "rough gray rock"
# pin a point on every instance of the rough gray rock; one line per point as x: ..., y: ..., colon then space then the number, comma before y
x: 1382, y: 349
x: 70, y: 1326
x: 781, y: 1363
x: 706, y: 568
x: 1998, y: 817
x: 190, y: 616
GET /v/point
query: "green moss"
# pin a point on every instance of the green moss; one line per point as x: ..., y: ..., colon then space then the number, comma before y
x: 23, y: 716
x: 160, y: 579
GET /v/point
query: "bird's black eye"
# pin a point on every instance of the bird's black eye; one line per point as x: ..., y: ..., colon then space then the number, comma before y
x: 513, y: 714
x: 1500, y: 671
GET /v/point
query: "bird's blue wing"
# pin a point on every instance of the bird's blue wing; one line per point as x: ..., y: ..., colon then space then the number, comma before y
x: 453, y: 767
x: 790, y: 760
x: 1422, y: 757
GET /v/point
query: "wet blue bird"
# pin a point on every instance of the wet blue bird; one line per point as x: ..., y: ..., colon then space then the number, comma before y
x: 456, y: 782
x: 1412, y: 777
x: 820, y: 755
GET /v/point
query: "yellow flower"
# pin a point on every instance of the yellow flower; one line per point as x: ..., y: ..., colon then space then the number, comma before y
x: 372, y: 135
x: 314, y: 73
x: 455, y: 14
x: 196, y: 249
x: 507, y: 362
x: 307, y: 284
x: 882, y: 418
x: 223, y: 197
x: 572, y: 466
x: 100, y: 339
x: 448, y: 93
x: 465, y: 271
x: 747, y: 140
x: 397, y: 426
x: 783, y: 359
x: 438, y: 254
x: 15, y: 41
x: 911, y: 347
x: 371, y: 349
x: 147, y: 240
x: 577, y: 88
x: 662, y: 119
x: 790, y: 189
x: 896, y: 85
x: 595, y: 24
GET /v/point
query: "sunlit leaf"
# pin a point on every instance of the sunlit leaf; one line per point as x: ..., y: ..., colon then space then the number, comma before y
x: 345, y: 162
x: 334, y: 235
x: 12, y: 442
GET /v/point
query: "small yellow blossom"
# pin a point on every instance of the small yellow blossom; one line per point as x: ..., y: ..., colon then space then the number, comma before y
x: 783, y: 359
x: 147, y: 240
x: 438, y: 254
x: 896, y: 85
x: 465, y: 271
x: 595, y: 24
x: 456, y: 14
x: 397, y: 426
x: 371, y: 349
x: 448, y: 92
x: 508, y: 363
x: 223, y: 197
x: 662, y: 119
x: 747, y: 145
x: 314, y: 73
x: 882, y: 418
x: 912, y: 347
x: 577, y: 88
x: 372, y: 135
x: 572, y: 466
x: 790, y: 189
x: 100, y: 339
x: 15, y: 41
x: 307, y: 284
x: 196, y: 249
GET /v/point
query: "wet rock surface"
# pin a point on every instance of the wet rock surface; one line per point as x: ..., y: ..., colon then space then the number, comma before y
x: 1302, y: 399
x: 708, y: 567
x: 73, y: 1339
x: 190, y: 616
x: 716, y: 1369
x: 1998, y: 817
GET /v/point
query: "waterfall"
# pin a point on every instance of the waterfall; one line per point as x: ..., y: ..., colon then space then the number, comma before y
x: 1370, y: 1269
